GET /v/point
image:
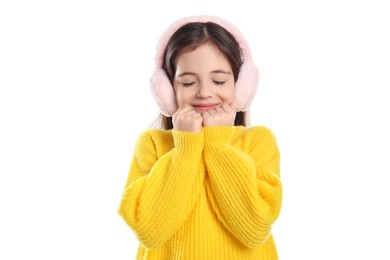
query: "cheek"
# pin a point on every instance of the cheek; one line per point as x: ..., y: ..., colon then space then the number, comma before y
x: 183, y: 97
x: 229, y: 93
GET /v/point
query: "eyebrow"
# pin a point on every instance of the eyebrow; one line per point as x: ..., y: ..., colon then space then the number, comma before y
x: 194, y: 74
x: 185, y: 74
x: 221, y: 71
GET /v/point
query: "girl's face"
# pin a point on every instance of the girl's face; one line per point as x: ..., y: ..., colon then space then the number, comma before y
x: 203, y: 79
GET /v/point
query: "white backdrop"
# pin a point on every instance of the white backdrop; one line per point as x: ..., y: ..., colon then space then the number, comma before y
x: 74, y: 97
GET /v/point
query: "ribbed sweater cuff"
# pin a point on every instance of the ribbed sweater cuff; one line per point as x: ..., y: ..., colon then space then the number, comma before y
x: 187, y: 143
x: 217, y: 136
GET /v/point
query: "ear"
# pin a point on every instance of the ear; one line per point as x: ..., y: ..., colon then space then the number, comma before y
x: 163, y: 92
x: 246, y: 86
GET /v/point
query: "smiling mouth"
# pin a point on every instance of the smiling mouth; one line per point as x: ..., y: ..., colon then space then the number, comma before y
x: 205, y: 107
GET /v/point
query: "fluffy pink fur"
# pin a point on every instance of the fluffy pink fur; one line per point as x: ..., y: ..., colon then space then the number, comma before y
x: 246, y: 84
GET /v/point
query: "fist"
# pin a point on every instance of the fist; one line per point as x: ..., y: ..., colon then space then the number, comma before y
x: 187, y: 119
x: 220, y: 116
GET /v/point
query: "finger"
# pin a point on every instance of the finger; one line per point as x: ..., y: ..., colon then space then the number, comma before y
x: 220, y: 109
x: 196, y: 116
x: 210, y: 111
x: 194, y: 113
x: 229, y: 107
x: 182, y: 110
x: 226, y: 107
x: 187, y: 110
x: 233, y: 106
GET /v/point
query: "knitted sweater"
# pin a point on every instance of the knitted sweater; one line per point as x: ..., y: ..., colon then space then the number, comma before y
x: 209, y: 195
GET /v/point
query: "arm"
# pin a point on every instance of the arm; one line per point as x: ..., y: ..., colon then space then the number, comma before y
x: 244, y: 187
x: 160, y: 192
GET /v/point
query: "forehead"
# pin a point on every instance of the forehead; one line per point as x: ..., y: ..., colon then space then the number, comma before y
x: 205, y: 55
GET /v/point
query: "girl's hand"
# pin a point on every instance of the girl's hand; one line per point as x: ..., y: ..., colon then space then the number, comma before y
x: 187, y: 119
x: 220, y: 116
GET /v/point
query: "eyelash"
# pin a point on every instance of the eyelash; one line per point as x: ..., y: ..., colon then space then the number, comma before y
x: 188, y: 84
x: 219, y: 82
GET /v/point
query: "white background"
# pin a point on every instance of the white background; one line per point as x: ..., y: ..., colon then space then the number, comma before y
x: 74, y: 97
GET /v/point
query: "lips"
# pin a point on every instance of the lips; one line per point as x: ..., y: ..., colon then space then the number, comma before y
x: 205, y: 107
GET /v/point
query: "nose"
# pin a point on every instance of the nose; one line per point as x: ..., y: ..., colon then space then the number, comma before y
x: 204, y: 91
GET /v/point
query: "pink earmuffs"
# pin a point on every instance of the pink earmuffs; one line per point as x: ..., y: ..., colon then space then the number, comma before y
x: 247, y: 80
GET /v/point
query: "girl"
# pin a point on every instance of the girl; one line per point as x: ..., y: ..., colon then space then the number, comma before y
x: 205, y: 185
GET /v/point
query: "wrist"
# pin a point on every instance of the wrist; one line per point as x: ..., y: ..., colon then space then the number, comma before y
x: 216, y: 137
x: 187, y: 143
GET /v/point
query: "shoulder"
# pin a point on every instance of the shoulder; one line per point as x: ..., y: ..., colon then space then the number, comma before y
x: 255, y: 133
x: 256, y: 137
x: 154, y: 135
x: 154, y: 139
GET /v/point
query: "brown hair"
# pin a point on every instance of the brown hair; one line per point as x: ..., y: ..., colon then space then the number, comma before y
x: 189, y: 37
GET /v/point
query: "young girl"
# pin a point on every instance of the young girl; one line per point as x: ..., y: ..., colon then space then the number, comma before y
x: 205, y: 185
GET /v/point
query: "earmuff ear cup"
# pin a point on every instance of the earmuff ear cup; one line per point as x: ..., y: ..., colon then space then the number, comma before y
x: 246, y: 86
x: 163, y: 92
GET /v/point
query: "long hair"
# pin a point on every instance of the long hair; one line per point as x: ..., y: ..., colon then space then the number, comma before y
x: 189, y: 37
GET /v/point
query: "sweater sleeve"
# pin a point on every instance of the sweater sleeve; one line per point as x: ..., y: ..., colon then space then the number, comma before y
x: 160, y: 192
x: 244, y: 186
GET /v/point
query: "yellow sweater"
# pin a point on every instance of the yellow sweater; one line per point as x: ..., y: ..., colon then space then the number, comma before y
x: 209, y: 195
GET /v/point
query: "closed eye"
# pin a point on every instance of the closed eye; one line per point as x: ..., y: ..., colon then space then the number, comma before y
x: 219, y: 82
x: 188, y: 84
